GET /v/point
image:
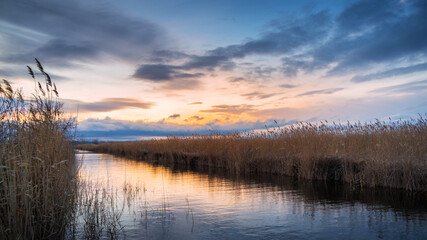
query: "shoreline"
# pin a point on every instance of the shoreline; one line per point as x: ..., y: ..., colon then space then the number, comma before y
x: 327, y: 169
x: 386, y: 154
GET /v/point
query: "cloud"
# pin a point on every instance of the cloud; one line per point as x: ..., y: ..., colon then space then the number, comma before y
x: 390, y: 73
x: 292, y: 65
x: 196, y: 118
x: 207, y: 62
x: 106, y: 105
x: 57, y: 49
x: 284, y: 37
x: 72, y: 30
x: 170, y: 76
x: 167, y: 55
x: 155, y: 72
x: 231, y: 109
x: 367, y: 108
x: 369, y: 33
x: 174, y: 116
x: 287, y: 86
x: 236, y: 79
x: 258, y: 95
x: 411, y: 87
x: 181, y: 84
x: 18, y: 71
x: 364, y: 34
x: 195, y: 103
x: 260, y: 72
x: 323, y: 91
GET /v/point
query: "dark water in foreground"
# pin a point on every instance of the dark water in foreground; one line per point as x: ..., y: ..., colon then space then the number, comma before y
x: 165, y: 203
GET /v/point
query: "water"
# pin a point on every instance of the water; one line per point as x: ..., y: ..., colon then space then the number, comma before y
x: 168, y: 203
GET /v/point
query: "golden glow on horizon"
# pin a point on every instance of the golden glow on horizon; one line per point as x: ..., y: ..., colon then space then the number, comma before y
x: 221, y: 101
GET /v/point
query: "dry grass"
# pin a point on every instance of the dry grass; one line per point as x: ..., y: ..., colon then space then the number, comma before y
x: 391, y: 154
x: 98, y: 213
x: 37, y: 165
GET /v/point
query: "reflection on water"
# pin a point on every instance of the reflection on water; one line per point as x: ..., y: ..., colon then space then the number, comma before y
x: 173, y: 203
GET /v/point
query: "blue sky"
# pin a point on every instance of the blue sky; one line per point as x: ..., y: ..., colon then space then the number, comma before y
x: 136, y: 69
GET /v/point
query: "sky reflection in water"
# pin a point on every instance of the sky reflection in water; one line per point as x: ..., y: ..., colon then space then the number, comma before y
x: 167, y: 203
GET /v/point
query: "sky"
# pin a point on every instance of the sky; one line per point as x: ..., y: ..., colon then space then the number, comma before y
x: 134, y: 69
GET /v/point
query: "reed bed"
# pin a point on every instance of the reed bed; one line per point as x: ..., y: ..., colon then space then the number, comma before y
x: 37, y: 165
x: 389, y: 154
x: 42, y: 195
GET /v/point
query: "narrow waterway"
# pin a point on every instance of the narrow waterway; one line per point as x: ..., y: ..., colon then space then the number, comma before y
x: 157, y: 202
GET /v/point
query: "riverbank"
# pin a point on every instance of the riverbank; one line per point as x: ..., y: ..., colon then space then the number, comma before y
x: 387, y: 154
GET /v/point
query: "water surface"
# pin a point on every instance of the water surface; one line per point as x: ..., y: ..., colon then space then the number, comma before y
x: 158, y: 202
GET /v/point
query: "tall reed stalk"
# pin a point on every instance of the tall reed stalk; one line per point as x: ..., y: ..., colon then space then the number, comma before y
x: 38, y: 170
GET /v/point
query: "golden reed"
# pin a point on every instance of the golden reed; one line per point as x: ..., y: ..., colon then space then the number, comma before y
x: 388, y: 154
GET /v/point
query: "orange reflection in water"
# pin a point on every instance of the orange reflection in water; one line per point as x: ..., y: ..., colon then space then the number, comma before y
x: 238, y: 208
x: 180, y: 188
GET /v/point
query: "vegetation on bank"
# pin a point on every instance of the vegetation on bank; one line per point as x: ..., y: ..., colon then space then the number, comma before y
x: 390, y: 154
x: 41, y: 193
x: 37, y: 164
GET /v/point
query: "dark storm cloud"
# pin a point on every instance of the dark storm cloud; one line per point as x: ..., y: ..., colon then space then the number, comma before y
x: 174, y: 116
x: 107, y: 105
x: 80, y: 30
x: 323, y: 91
x: 390, y: 73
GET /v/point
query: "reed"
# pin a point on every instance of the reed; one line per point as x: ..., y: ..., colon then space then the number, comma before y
x: 38, y: 170
x: 389, y: 154
x: 99, y: 211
